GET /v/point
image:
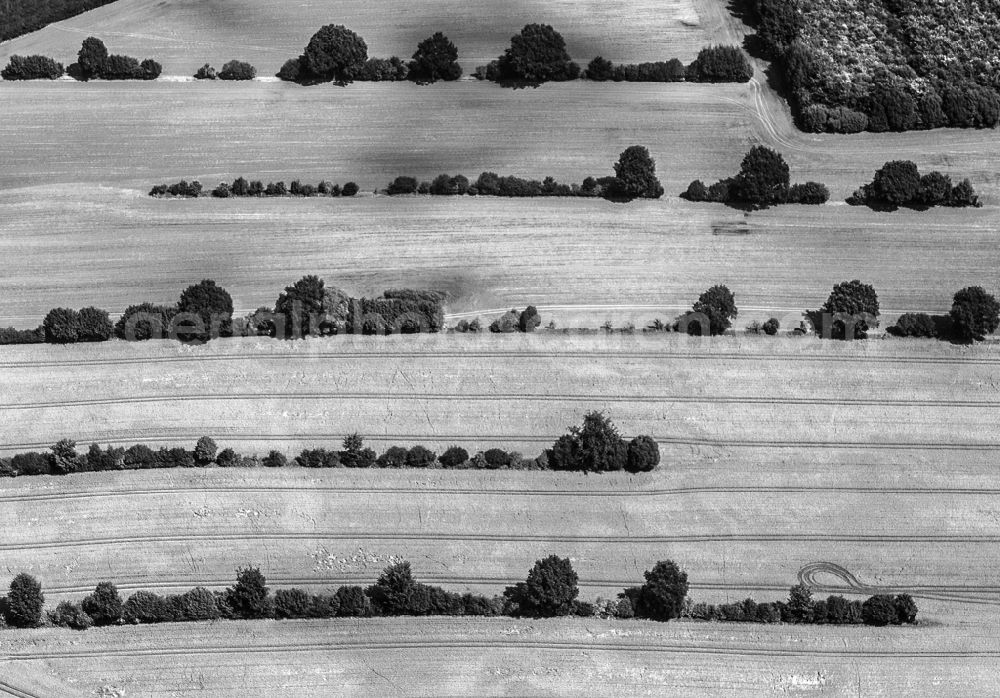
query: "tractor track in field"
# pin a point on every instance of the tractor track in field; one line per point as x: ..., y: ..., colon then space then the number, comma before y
x: 464, y: 644
x: 534, y: 397
x: 10, y: 690
x: 32, y: 496
x: 354, y: 536
x: 546, y: 355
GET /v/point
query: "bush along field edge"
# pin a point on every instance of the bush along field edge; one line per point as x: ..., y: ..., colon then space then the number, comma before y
x: 550, y: 590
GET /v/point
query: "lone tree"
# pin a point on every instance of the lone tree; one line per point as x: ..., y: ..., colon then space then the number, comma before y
x: 104, y: 605
x: 92, y: 58
x: 334, y: 53
x: 249, y: 596
x: 662, y: 596
x: 719, y: 305
x: 906, y: 609
x: 435, y: 60
x: 975, y: 314
x: 595, y: 447
x: 536, y: 55
x: 24, y: 602
x: 550, y: 589
x: 763, y: 179
x: 635, y: 173
x: 852, y: 302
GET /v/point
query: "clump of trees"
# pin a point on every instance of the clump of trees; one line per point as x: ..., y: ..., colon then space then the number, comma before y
x: 236, y: 70
x: 597, y: 447
x: 536, y: 55
x: 243, y: 188
x: 851, y: 310
x: 93, y: 61
x: 67, y: 326
x: 32, y: 68
x: 514, y: 320
x: 602, y: 70
x: 436, y: 58
x: 333, y: 54
x: 392, y: 69
x: 763, y: 181
x: 720, y: 64
x: 974, y: 314
x: 899, y: 183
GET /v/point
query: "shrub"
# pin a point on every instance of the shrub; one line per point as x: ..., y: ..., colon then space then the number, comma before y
x: 963, y: 194
x: 24, y: 602
x: 720, y: 64
x: 275, y: 459
x: 206, y: 72
x: 810, y: 193
x: 70, y: 615
x: 435, y: 59
x: 248, y: 598
x: 596, y: 447
x: 858, y: 302
x: 915, y: 325
x: 394, y: 457
x: 662, y: 596
x: 383, y: 70
x: 974, y: 313
x: 550, y: 590
x: 291, y: 70
x: 94, y: 325
x: 199, y: 604
x: 879, y: 610
x: 420, y: 457
x: 104, y: 605
x: 32, y: 68
x: 636, y: 172
x: 62, y: 326
x: 536, y: 55
x: 350, y: 189
x: 64, y: 458
x: 454, y: 457
x: 227, y: 458
x: 292, y: 603
x: 599, y: 70
x: 352, y: 601
x: 496, y: 458
x: 205, y: 451
x: 906, y: 609
x: 146, y: 321
x: 643, y: 455
x: 402, y: 185
x: 696, y: 191
x: 334, y: 53
x: 9, y: 335
x: 771, y: 327
x: 237, y: 70
x: 149, y: 69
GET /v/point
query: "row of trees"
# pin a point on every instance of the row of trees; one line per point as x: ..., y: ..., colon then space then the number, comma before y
x: 93, y: 61
x: 337, y: 54
x: 899, y: 183
x: 763, y: 181
x: 801, y: 608
x: 241, y: 187
x: 634, y: 178
x: 596, y: 446
x: 713, y: 64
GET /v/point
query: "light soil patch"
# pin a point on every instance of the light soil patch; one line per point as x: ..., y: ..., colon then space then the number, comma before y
x: 505, y: 656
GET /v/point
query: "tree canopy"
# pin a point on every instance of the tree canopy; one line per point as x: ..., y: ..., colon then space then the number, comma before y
x: 662, y: 596
x: 435, y: 59
x: 536, y: 55
x: 856, y: 300
x: 635, y: 172
x: 334, y: 53
x: 975, y: 314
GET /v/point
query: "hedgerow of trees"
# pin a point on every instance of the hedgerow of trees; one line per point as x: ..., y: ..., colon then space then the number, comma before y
x: 241, y: 188
x: 551, y: 589
x: 714, y: 64
x: 899, y: 183
x: 32, y: 68
x: 883, y: 66
x: 763, y: 181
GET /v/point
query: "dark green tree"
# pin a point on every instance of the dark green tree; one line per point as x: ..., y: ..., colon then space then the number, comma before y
x: 249, y: 598
x: 896, y: 183
x: 334, y: 53
x: 292, y: 603
x: 550, y: 589
x: 24, y: 602
x: 800, y: 604
x: 763, y: 179
x: 205, y: 451
x: 92, y: 58
x: 636, y: 173
x: 310, y: 307
x: 391, y: 594
x: 64, y: 458
x: 662, y: 596
x: 719, y: 305
x: 212, y: 304
x: 435, y: 59
x: 879, y: 610
x: 352, y: 601
x: 906, y: 609
x: 95, y: 325
x: 536, y: 55
x: 975, y: 314
x: 858, y: 302
x: 643, y: 454
x: 104, y: 605
x: 62, y: 326
x: 594, y: 447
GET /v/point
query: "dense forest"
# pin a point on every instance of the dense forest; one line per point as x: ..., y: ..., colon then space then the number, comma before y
x: 19, y: 17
